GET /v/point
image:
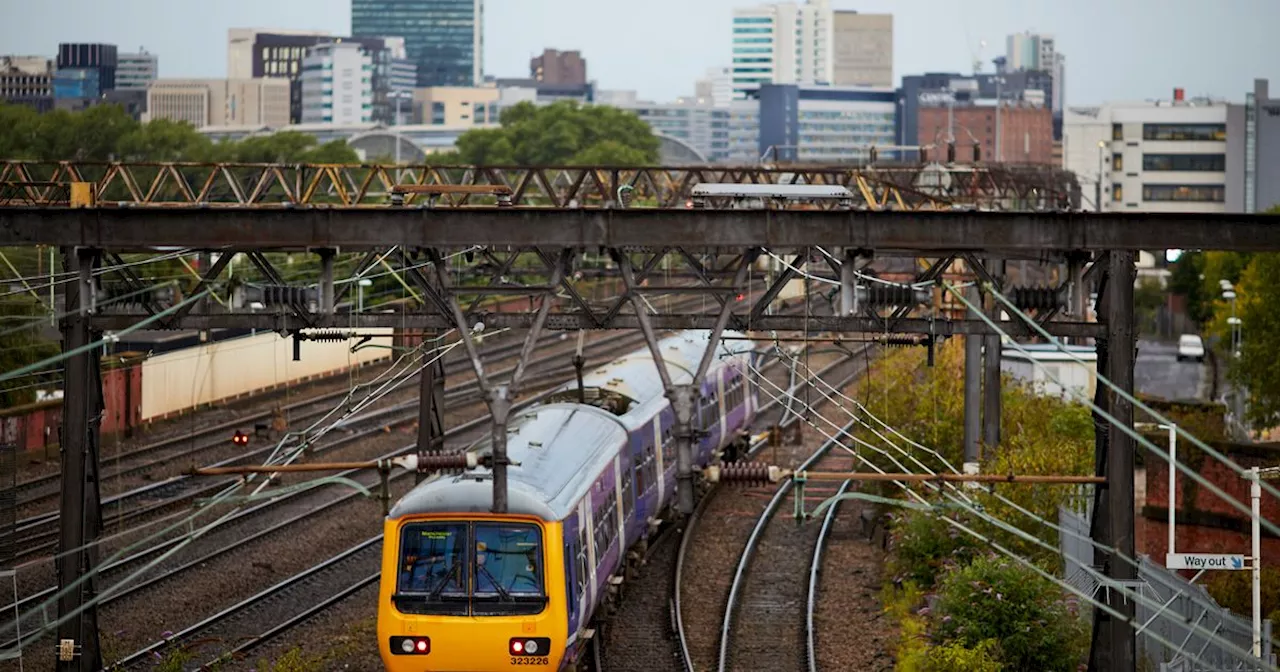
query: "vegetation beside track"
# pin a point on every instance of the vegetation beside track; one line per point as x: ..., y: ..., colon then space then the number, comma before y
x: 959, y: 605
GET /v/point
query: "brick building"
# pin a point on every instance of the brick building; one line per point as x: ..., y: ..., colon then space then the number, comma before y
x: 559, y: 67
x: 1026, y: 132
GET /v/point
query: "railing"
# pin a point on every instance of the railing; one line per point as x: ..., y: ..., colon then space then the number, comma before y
x: 1188, y: 611
x: 925, y: 187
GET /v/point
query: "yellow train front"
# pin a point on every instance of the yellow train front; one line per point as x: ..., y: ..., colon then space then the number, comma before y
x: 467, y: 590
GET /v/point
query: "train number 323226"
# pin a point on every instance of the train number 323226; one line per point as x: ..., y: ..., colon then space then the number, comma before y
x: 528, y: 661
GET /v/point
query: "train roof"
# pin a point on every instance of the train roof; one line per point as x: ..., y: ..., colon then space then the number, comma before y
x: 560, y: 450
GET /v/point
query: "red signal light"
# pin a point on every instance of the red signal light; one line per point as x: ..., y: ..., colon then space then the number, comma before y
x: 240, y: 438
x: 422, y: 646
x: 517, y: 646
x: 741, y: 296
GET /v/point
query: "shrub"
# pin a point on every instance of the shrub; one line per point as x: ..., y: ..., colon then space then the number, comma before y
x: 924, y: 545
x: 1234, y: 590
x: 996, y: 599
x: 955, y: 657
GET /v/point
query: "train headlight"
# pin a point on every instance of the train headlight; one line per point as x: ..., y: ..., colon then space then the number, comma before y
x: 529, y: 646
x: 411, y: 646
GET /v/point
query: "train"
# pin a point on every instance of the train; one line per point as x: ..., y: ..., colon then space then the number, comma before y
x: 462, y: 588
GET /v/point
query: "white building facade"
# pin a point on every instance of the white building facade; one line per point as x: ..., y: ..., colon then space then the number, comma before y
x: 1153, y: 156
x: 219, y: 102
x: 337, y: 84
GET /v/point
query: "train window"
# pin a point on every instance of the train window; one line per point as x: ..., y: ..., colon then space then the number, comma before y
x: 584, y: 570
x: 433, y: 572
x: 638, y: 465
x: 508, y: 569
x: 650, y: 465
x: 606, y: 526
x: 628, y: 493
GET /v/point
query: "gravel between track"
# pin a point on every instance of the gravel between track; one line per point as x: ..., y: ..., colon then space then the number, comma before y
x: 853, y: 632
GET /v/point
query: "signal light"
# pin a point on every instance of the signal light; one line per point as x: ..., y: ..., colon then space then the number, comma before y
x: 530, y: 646
x: 240, y: 438
x: 411, y: 646
x: 741, y: 296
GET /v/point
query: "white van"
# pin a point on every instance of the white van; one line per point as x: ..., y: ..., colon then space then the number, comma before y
x: 1190, y: 347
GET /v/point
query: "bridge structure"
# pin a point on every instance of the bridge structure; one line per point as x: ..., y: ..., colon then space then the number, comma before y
x: 566, y: 226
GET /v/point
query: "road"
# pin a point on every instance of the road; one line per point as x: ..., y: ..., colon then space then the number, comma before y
x: 1158, y: 372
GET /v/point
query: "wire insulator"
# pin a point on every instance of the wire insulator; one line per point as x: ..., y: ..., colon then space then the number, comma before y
x: 750, y: 473
x: 443, y: 462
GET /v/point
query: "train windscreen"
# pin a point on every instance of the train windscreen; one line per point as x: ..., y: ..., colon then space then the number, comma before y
x: 478, y: 569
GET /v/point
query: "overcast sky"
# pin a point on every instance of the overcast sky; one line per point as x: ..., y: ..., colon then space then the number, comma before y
x: 1116, y: 49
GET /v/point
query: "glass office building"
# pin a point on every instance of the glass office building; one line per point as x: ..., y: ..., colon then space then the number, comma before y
x: 444, y: 38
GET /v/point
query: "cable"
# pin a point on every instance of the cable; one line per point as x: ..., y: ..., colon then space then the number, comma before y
x: 1240, y: 471
x: 1139, y: 438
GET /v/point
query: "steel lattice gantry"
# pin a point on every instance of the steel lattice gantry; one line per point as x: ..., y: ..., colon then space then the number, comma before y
x: 716, y: 248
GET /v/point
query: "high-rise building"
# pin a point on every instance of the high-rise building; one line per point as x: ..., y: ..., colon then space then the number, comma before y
x: 444, y: 38
x: 715, y: 87
x: 1039, y: 52
x: 823, y: 123
x: 786, y: 43
x: 27, y: 80
x: 863, y: 49
x: 220, y: 102
x: 337, y: 84
x: 558, y: 67
x: 135, y: 71
x: 85, y: 71
x: 278, y: 53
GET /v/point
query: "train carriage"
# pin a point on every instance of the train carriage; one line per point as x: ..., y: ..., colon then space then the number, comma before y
x: 465, y: 589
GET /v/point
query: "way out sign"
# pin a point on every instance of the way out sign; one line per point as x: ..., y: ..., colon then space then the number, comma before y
x: 1204, y: 561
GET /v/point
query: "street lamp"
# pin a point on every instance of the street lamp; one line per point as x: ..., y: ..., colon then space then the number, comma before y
x: 398, y: 96
x: 1229, y: 293
x: 1102, y: 146
x: 360, y: 285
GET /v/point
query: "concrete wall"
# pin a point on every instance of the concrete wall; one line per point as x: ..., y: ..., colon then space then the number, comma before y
x: 180, y: 380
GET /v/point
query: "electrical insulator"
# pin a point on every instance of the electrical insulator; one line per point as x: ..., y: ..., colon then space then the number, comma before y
x: 951, y: 152
x: 282, y: 295
x: 443, y: 462
x: 1036, y: 298
x: 924, y: 155
x: 746, y: 473
x: 873, y: 154
x: 879, y: 294
x: 329, y: 336
x: 977, y: 152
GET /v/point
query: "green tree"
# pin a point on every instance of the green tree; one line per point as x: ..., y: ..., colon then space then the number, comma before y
x: 165, y: 140
x: 20, y: 345
x: 563, y: 133
x: 1258, y: 306
x: 1148, y: 296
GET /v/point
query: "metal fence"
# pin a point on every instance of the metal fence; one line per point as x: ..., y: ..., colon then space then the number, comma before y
x: 8, y: 548
x: 1185, y: 606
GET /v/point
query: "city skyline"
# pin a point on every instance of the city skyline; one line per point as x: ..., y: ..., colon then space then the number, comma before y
x: 1135, y: 50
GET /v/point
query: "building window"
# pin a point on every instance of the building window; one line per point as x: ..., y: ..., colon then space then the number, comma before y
x: 1188, y: 162
x: 1117, y: 162
x: 1117, y: 192
x: 437, y: 113
x: 1194, y: 193
x: 1201, y: 132
x: 1117, y: 132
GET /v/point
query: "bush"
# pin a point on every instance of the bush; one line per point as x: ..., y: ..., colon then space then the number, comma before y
x: 1234, y: 590
x: 996, y: 599
x: 924, y: 545
x: 955, y: 657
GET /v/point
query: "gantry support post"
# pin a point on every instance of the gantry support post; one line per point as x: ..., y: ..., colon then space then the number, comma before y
x: 499, y: 397
x: 683, y: 397
x: 430, y: 411
x: 849, y: 283
x: 972, y: 392
x: 1115, y: 646
x: 326, y: 280
x: 991, y: 366
x: 81, y: 516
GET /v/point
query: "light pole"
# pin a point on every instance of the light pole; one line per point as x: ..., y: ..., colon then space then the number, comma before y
x: 1102, y: 146
x: 398, y: 96
x: 1229, y: 293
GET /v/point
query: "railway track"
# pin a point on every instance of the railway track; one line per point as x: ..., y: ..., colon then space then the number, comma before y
x: 648, y: 627
x: 271, y: 622
x: 39, y: 534
x: 764, y: 592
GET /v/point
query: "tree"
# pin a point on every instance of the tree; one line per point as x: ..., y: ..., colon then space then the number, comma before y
x: 20, y: 345
x: 1258, y: 307
x: 563, y: 133
x: 165, y: 140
